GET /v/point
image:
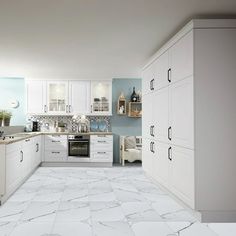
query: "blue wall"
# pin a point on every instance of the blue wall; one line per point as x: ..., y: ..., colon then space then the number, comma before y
x: 124, y: 125
x: 13, y: 88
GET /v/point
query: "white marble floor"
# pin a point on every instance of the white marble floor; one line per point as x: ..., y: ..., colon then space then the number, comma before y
x: 119, y: 201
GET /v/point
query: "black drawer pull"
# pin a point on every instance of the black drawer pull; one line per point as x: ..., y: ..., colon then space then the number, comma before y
x: 170, y: 153
x: 55, y: 152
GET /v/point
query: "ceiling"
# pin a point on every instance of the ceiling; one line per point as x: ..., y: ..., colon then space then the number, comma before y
x: 90, y: 39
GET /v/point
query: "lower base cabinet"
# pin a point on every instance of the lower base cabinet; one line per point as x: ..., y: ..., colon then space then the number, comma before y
x: 172, y: 167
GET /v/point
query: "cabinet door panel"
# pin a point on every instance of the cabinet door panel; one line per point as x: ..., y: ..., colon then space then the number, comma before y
x: 182, y: 174
x: 36, y: 96
x: 181, y: 57
x: 79, y: 92
x: 161, y: 163
x: 161, y: 71
x: 147, y: 76
x: 57, y: 97
x: 147, y: 156
x: 161, y: 114
x: 147, y: 115
x: 181, y: 113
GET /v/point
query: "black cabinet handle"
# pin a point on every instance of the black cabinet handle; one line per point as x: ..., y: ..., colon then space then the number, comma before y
x: 27, y: 140
x: 56, y: 141
x: 101, y: 152
x: 22, y: 156
x: 150, y: 147
x: 153, y: 131
x: 55, y: 152
x: 153, y: 147
x: 170, y: 153
x: 45, y: 108
x: 169, y: 75
x: 169, y: 133
x: 37, y: 147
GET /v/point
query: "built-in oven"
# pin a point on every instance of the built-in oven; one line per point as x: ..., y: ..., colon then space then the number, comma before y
x: 78, y: 148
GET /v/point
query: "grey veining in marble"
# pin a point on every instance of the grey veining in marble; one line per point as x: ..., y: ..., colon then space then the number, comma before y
x: 119, y: 201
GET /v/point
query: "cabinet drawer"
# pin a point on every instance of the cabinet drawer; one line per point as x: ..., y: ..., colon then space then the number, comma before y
x: 101, y: 146
x: 55, y: 156
x: 55, y: 143
x: 101, y: 138
x: 101, y: 156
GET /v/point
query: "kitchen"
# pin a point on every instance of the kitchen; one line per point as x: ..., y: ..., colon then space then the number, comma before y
x: 64, y: 167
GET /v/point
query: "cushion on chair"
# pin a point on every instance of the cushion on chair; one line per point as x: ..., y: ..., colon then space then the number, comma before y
x: 130, y: 142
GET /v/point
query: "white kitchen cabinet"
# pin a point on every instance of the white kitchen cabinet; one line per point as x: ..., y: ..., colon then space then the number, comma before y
x: 57, y: 97
x: 161, y: 164
x: 56, y: 148
x: 148, y: 155
x: 147, y: 116
x: 37, y: 151
x: 27, y: 149
x: 36, y: 96
x: 148, y: 80
x: 181, y: 113
x: 14, y: 166
x: 200, y: 116
x: 160, y: 113
x: 101, y: 148
x: 101, y: 97
x: 182, y: 173
x: 181, y: 58
x: 161, y: 71
x: 79, y: 97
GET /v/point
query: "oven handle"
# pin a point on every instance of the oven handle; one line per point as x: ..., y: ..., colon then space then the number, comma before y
x: 78, y: 141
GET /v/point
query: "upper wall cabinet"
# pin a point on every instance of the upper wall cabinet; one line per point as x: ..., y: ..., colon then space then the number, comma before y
x: 69, y: 97
x: 57, y: 97
x: 79, y: 97
x: 36, y: 96
x: 101, y: 97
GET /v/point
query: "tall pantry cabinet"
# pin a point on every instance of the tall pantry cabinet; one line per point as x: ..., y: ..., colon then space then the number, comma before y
x: 189, y: 117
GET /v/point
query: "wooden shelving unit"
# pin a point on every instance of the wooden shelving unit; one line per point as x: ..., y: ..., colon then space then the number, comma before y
x: 135, y: 109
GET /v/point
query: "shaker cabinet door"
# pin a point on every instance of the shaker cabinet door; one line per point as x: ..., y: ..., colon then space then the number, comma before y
x: 181, y: 113
x: 79, y: 93
x: 147, y: 116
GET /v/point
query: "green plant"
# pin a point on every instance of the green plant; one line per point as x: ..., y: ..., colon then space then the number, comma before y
x: 1, y: 115
x: 6, y: 115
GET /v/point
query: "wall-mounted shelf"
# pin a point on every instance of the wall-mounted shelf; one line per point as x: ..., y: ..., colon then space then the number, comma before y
x: 121, y: 107
x: 135, y: 109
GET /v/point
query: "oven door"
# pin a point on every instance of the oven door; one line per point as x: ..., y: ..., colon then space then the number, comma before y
x: 78, y: 148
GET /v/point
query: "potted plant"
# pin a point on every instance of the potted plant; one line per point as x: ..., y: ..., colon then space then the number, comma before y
x: 1, y: 118
x: 6, y: 118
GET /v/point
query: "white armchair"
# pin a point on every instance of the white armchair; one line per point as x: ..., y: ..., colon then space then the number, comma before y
x: 130, y: 148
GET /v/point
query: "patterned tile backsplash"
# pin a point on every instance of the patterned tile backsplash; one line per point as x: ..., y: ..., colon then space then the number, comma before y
x: 46, y: 123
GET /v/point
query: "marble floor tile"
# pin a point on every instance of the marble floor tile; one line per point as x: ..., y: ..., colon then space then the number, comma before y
x: 73, y: 211
x: 115, y: 228
x: 152, y: 229
x: 128, y: 196
x: 170, y: 210
x: 75, y: 195
x: 139, y: 211
x: 32, y: 228
x: 71, y: 229
x: 106, y: 211
x: 191, y: 229
x: 114, y: 201
x: 223, y: 229
x: 41, y: 212
x: 6, y: 228
x: 12, y: 211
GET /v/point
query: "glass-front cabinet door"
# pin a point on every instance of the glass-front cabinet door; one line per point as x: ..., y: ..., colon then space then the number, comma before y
x: 101, y: 100
x: 57, y: 97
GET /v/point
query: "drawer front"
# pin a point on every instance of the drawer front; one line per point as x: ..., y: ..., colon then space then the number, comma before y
x: 55, y: 156
x: 101, y: 156
x: 56, y: 142
x: 101, y: 146
x: 101, y: 138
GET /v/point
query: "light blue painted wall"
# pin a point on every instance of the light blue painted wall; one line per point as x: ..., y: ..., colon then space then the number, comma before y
x: 124, y: 125
x: 13, y: 88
